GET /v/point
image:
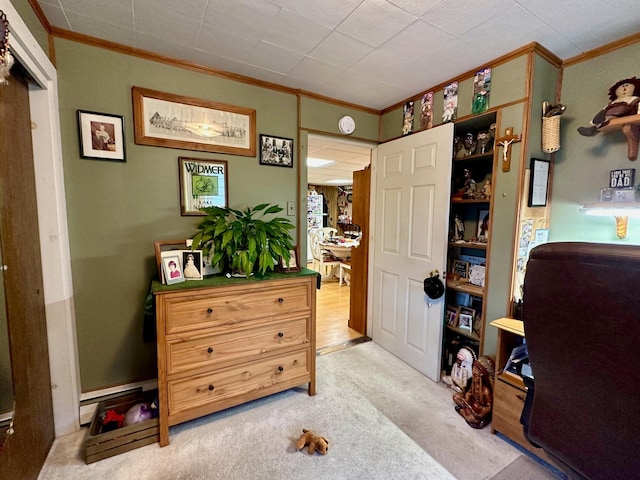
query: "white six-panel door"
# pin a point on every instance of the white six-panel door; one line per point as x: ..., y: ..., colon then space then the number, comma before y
x: 410, y: 197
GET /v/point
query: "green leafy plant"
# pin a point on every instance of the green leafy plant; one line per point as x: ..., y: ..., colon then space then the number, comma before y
x: 242, y: 240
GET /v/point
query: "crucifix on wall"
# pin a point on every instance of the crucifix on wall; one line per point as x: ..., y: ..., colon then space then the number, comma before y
x: 506, y: 141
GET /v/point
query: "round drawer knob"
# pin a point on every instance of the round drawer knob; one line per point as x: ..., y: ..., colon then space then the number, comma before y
x: 281, y: 368
x: 280, y: 334
x: 209, y: 311
x: 211, y: 387
x: 210, y: 350
x: 281, y: 300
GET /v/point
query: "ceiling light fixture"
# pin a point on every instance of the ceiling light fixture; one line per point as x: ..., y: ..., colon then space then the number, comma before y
x: 318, y: 162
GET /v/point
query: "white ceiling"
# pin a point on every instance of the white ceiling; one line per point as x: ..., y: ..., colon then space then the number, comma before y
x: 373, y: 53
x: 348, y: 156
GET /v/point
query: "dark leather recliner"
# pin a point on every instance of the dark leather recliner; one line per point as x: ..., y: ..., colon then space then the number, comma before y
x: 582, y: 326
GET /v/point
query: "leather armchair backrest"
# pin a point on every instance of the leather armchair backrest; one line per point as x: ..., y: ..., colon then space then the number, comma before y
x: 582, y: 326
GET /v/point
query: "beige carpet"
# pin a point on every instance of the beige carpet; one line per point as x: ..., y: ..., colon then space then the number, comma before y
x: 524, y: 468
x: 384, y: 421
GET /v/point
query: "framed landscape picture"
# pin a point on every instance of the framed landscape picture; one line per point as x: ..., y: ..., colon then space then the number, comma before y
x: 166, y: 120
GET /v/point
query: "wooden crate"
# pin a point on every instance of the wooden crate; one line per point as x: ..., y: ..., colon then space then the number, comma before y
x: 99, y: 445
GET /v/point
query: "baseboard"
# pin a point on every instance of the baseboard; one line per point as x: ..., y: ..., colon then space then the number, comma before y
x: 89, y: 400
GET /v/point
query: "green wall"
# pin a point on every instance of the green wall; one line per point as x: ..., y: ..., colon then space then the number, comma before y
x: 117, y: 210
x: 583, y: 164
x: 33, y: 23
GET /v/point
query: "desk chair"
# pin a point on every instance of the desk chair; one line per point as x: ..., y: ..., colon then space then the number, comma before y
x: 344, y: 265
x: 323, y: 262
x: 581, y: 314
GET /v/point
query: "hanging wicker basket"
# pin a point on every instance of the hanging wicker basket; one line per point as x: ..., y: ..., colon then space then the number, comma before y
x: 550, y: 131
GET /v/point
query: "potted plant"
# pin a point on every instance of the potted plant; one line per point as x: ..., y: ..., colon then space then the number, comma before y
x: 243, y: 241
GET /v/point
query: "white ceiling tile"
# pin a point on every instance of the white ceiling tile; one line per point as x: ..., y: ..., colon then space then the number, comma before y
x: 101, y: 29
x: 55, y: 15
x: 375, y: 21
x: 117, y: 12
x: 416, y: 7
x: 459, y: 16
x: 299, y: 35
x: 329, y: 13
x: 248, y: 18
x: 339, y: 50
x: 181, y: 29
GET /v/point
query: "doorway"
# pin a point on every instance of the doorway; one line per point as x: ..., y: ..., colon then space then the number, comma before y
x: 331, y: 163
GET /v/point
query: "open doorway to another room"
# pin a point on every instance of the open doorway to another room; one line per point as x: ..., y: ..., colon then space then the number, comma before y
x: 331, y: 233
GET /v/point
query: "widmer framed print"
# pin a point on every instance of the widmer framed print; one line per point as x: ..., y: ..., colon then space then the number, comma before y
x: 203, y: 183
x: 101, y: 136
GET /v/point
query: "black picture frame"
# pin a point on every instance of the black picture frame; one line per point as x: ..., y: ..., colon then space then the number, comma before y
x: 539, y: 182
x: 276, y: 151
x: 101, y: 136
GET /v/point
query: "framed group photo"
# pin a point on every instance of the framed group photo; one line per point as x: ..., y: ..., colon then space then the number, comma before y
x: 101, y: 136
x: 276, y: 151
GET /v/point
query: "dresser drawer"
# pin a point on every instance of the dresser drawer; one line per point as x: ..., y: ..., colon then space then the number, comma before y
x: 233, y: 385
x: 508, y: 402
x: 244, y: 344
x: 233, y: 306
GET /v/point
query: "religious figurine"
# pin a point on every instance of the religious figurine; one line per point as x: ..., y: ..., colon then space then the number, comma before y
x: 476, y: 404
x: 458, y: 228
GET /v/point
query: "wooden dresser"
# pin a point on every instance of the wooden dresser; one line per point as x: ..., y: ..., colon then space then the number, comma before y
x: 223, y: 342
x: 509, y: 391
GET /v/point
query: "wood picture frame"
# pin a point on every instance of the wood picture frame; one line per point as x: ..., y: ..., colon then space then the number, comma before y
x: 276, y: 151
x: 482, y: 230
x: 203, y: 183
x: 176, y: 121
x: 161, y: 247
x: 466, y: 317
x: 538, y: 182
x: 460, y: 268
x: 451, y: 315
x: 101, y: 136
x: 294, y: 261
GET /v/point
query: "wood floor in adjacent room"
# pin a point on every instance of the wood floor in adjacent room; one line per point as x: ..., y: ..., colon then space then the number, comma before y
x: 332, y: 315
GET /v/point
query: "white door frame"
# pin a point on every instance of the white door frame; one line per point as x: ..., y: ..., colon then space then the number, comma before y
x: 52, y: 223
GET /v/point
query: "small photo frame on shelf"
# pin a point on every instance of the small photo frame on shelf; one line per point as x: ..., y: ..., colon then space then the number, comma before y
x: 476, y: 275
x: 452, y: 315
x: 538, y: 182
x: 482, y: 232
x: 276, y: 151
x: 461, y: 268
x: 101, y: 136
x: 192, y: 264
x: 466, y: 316
x: 172, y: 269
x: 293, y: 265
x: 164, y: 248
